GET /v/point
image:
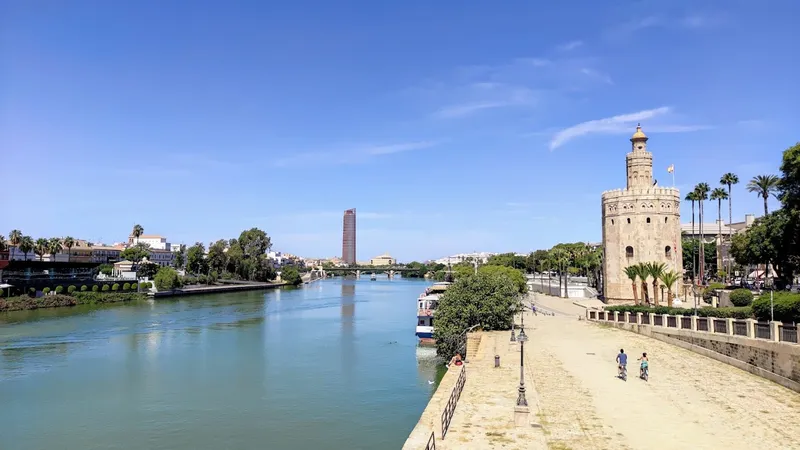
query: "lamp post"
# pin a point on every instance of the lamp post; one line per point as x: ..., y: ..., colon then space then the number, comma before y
x: 521, y: 401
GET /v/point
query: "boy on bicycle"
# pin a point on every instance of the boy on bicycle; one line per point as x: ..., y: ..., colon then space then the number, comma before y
x: 622, y: 360
x: 644, y: 365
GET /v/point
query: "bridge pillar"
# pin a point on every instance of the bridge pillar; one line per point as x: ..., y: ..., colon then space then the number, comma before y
x: 358, y: 274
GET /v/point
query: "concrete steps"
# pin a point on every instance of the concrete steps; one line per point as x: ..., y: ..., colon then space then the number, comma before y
x: 473, y: 344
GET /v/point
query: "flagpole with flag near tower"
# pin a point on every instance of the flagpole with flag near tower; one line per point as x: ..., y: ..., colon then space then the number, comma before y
x: 671, y: 169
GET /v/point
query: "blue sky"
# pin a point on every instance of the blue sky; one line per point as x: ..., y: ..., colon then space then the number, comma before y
x: 450, y: 126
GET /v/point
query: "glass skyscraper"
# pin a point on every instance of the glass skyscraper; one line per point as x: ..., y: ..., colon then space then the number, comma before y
x: 349, y: 236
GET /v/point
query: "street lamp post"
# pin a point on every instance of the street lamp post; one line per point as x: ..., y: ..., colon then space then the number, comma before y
x: 521, y: 401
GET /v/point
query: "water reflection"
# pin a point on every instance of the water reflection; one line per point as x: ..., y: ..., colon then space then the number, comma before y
x: 348, y: 312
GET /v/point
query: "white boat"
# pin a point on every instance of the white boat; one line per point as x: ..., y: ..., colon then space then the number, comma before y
x: 373, y: 277
x: 427, y: 303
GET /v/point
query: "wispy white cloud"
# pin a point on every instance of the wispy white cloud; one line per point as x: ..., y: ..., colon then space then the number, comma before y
x: 569, y: 46
x: 466, y: 109
x: 620, y: 124
x: 605, y: 78
x: 353, y: 155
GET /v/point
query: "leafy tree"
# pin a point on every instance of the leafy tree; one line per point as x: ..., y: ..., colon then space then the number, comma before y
x: 179, y: 257
x: 691, y: 254
x: 106, y: 269
x: 146, y: 269
x: 764, y: 186
x: 515, y: 275
x: 769, y: 240
x: 167, y: 279
x: 484, y: 299
x: 254, y: 242
x: 40, y: 247
x: 508, y: 260
x: 195, y: 259
x: 291, y: 276
x: 26, y: 245
x: 136, y: 253
x: 217, y: 258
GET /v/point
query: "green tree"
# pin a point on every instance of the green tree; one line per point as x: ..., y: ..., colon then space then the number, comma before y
x: 167, y: 279
x: 508, y: 260
x: 195, y: 259
x: 632, y: 272
x: 3, y: 244
x: 69, y: 242
x: 137, y: 232
x: 40, y: 248
x: 106, y: 269
x: 764, y: 186
x: 217, y: 258
x: 719, y: 195
x: 26, y: 245
x: 729, y: 179
x: 179, y: 257
x: 515, y: 275
x: 691, y: 254
x: 146, y: 269
x: 669, y: 278
x: 655, y: 270
x: 692, y: 197
x: 15, y: 237
x: 769, y: 240
x: 484, y: 299
x: 254, y: 242
x: 702, y: 190
x: 54, y: 246
x: 136, y: 253
x: 291, y: 276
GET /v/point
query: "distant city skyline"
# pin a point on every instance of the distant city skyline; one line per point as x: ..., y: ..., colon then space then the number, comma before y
x: 493, y: 129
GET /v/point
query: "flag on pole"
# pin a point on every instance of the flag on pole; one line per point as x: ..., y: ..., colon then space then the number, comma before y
x: 671, y: 168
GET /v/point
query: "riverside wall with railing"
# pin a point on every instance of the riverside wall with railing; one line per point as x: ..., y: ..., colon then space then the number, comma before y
x: 551, y: 287
x: 767, y: 349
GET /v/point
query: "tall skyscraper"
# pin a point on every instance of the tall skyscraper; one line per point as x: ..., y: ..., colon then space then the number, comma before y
x: 349, y: 236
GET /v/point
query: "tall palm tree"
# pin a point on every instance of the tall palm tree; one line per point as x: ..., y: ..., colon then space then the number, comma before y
x: 633, y: 273
x: 15, y: 237
x: 40, y: 248
x: 669, y: 278
x: 69, y: 242
x: 729, y: 179
x: 137, y: 232
x: 655, y: 270
x: 692, y: 197
x: 702, y: 194
x: 764, y: 185
x: 54, y: 246
x: 3, y: 243
x: 644, y: 272
x: 561, y: 261
x: 719, y: 195
x: 26, y: 245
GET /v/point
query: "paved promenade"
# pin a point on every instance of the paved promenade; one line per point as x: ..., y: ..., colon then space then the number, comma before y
x: 690, y: 401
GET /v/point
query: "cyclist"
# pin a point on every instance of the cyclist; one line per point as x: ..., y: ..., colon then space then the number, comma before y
x: 644, y: 365
x: 622, y: 361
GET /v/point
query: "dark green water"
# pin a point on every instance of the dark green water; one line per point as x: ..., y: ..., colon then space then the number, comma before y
x: 333, y: 365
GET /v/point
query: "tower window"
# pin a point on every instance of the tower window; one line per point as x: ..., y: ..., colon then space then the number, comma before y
x: 629, y: 252
x: 648, y: 220
x: 612, y: 221
x: 665, y: 219
x: 668, y: 251
x: 629, y: 220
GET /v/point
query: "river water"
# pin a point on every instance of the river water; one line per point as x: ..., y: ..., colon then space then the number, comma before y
x: 332, y: 365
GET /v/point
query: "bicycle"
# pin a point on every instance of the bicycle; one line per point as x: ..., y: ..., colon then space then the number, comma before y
x: 644, y: 373
x: 623, y: 373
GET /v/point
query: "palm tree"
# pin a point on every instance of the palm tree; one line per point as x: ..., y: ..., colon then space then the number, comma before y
x: 729, y: 179
x: 69, y: 242
x: 26, y: 245
x: 137, y: 232
x: 656, y: 269
x: 560, y: 260
x: 702, y: 194
x: 719, y: 195
x: 3, y: 243
x: 764, y: 185
x: 40, y: 248
x: 633, y: 273
x: 644, y: 272
x: 692, y: 197
x: 669, y: 278
x: 15, y: 237
x: 54, y: 246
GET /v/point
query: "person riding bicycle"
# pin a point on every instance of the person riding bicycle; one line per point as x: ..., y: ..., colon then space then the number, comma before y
x: 622, y: 360
x: 644, y: 365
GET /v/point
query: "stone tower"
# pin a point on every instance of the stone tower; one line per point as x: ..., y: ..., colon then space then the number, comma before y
x: 641, y: 223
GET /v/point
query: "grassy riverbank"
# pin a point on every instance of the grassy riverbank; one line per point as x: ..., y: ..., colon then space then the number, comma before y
x: 25, y: 302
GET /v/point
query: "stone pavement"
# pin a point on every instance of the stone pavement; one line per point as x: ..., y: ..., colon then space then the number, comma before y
x: 690, y: 401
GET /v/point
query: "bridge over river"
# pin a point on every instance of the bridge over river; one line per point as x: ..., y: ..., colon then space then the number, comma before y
x: 577, y: 402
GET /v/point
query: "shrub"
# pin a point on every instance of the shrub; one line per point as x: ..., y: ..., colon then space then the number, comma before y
x: 709, y: 290
x: 147, y: 285
x: 167, y: 279
x: 59, y: 289
x: 736, y: 312
x: 115, y: 287
x: 202, y: 279
x: 786, y: 307
x: 95, y: 288
x: 126, y: 286
x: 84, y: 288
x: 32, y: 292
x: 106, y: 288
x: 46, y: 291
x: 741, y: 297
x: 71, y: 289
x: 114, y: 297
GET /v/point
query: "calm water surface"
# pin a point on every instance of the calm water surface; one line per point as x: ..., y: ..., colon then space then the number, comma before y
x: 332, y: 365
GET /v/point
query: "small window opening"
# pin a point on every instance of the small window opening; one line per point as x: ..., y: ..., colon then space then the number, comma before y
x: 629, y: 220
x: 665, y: 219
x: 629, y: 252
x: 668, y: 251
x: 648, y: 220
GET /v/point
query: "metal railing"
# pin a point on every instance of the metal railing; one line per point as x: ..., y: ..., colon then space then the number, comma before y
x: 672, y: 322
x: 739, y: 328
x: 702, y: 324
x: 686, y: 323
x: 632, y: 318
x: 763, y: 331
x: 659, y: 320
x: 450, y: 409
x: 721, y: 326
x: 646, y: 319
x: 789, y: 333
x: 431, y: 442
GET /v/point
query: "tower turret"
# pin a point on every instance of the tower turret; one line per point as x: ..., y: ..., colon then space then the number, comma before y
x: 639, y: 161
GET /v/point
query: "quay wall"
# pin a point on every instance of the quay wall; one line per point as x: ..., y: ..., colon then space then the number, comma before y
x: 217, y: 289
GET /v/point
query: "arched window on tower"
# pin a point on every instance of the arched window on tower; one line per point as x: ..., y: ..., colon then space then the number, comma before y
x: 668, y: 251
x: 648, y: 220
x: 629, y: 252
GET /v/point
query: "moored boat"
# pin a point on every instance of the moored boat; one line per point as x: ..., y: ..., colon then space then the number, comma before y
x: 427, y: 303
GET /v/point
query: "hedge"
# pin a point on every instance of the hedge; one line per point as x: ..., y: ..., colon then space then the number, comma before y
x: 95, y: 288
x: 84, y: 288
x: 115, y: 287
x: 126, y: 287
x: 723, y: 313
x: 106, y: 288
x: 80, y: 298
x: 741, y: 297
x: 786, y: 306
x: 71, y: 289
x: 59, y: 289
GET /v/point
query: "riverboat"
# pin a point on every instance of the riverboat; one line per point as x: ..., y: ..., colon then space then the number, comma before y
x: 373, y: 277
x: 427, y: 303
